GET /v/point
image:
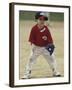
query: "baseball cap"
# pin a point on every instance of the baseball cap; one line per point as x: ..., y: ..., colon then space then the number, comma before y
x: 41, y: 15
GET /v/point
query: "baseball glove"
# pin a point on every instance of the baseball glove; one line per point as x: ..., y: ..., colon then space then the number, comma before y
x: 50, y: 48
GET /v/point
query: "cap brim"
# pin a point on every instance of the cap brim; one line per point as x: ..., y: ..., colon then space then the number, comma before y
x: 46, y: 18
x: 43, y: 17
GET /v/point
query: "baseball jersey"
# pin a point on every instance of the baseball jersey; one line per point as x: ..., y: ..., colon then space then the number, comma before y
x: 40, y: 37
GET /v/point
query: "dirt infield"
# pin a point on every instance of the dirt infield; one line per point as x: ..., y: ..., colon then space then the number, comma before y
x: 41, y: 68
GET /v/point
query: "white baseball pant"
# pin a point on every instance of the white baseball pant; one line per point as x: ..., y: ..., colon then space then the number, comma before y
x: 37, y: 51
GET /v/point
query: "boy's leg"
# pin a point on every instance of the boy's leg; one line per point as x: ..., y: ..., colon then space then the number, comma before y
x: 51, y: 61
x: 30, y: 64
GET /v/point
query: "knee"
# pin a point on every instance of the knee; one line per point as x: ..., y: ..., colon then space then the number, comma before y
x: 31, y: 59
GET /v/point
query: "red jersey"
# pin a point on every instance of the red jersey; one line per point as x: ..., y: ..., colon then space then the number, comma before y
x: 40, y: 37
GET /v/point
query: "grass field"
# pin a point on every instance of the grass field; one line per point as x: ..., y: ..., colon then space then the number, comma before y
x: 41, y: 68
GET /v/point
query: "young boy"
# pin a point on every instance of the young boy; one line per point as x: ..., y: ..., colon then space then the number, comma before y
x: 42, y: 44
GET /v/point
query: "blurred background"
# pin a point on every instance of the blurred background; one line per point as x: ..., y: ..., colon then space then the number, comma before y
x: 29, y: 15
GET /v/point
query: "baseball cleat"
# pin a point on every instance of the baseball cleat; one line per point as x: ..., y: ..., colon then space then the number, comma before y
x: 57, y: 75
x: 27, y: 75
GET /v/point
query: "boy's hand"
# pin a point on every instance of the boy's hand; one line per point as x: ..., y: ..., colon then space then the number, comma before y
x: 50, y: 48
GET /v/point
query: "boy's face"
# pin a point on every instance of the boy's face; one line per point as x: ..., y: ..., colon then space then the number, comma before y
x: 41, y: 21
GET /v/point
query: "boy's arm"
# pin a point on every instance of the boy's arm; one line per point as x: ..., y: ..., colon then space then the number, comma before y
x: 50, y: 47
x: 50, y: 40
x: 32, y: 37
